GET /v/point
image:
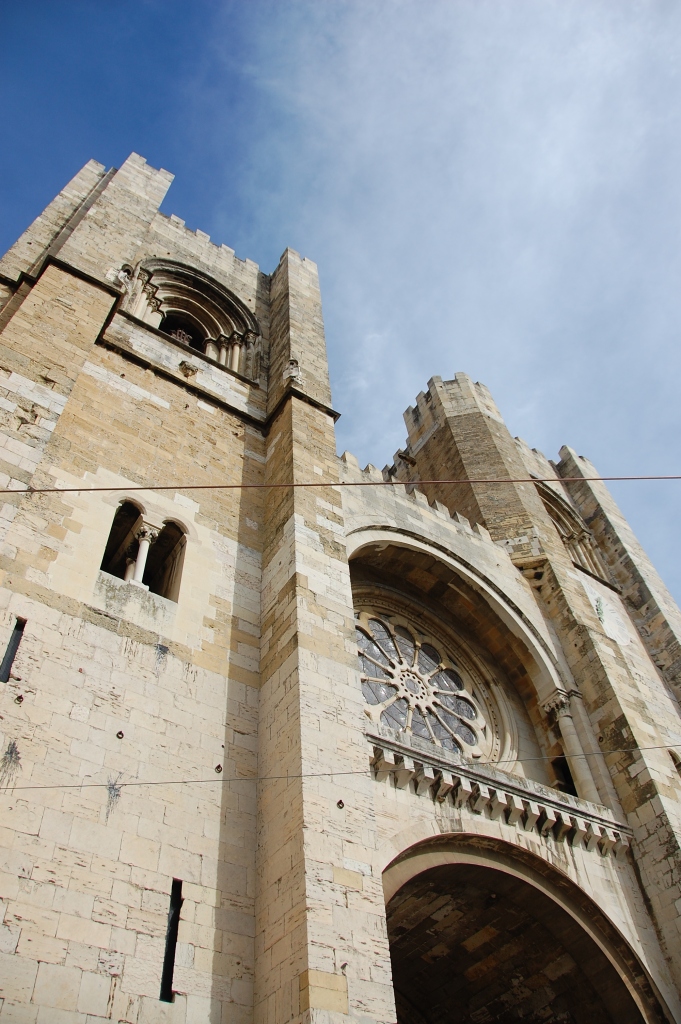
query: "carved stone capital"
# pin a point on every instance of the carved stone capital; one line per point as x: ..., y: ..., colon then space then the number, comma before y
x: 558, y: 705
x: 148, y: 533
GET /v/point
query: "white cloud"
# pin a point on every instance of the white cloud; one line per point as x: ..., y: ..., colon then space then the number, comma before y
x: 492, y: 187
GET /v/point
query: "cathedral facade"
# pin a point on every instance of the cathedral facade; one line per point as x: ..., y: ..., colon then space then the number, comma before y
x: 283, y: 739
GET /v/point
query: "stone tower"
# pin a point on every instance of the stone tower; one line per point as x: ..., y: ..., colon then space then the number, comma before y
x: 370, y: 749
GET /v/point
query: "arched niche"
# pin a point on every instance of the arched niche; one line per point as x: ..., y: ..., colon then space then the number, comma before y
x: 502, y: 649
x: 197, y: 311
x: 481, y: 930
x: 442, y: 579
x: 126, y: 521
x: 573, y: 531
x: 163, y: 571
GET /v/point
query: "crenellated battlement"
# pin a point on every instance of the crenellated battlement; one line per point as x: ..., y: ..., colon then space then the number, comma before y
x: 200, y: 241
x: 409, y: 493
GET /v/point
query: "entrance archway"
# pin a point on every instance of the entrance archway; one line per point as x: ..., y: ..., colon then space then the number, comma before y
x: 474, y: 943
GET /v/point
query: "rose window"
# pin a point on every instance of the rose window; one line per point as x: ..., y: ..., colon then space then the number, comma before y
x: 414, y: 687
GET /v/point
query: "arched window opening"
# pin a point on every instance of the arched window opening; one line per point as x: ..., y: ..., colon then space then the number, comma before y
x: 198, y: 311
x: 143, y: 555
x: 676, y: 761
x: 573, y: 532
x: 122, y: 540
x: 183, y: 329
x: 164, y: 562
x: 564, y: 781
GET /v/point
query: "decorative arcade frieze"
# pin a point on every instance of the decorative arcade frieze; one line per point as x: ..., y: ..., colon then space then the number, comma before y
x: 499, y: 796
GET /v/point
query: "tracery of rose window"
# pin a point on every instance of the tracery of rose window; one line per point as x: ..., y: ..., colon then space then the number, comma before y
x: 413, y: 687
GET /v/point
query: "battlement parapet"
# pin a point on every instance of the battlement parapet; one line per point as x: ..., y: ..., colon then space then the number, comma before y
x: 201, y: 241
x: 410, y: 495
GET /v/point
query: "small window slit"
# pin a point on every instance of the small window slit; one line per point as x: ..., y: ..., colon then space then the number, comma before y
x: 167, y: 995
x: 11, y: 651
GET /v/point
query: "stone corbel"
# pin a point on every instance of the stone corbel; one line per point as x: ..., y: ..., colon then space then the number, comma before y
x: 293, y: 372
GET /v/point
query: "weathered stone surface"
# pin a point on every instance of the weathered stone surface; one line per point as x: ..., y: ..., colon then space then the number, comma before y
x: 220, y: 732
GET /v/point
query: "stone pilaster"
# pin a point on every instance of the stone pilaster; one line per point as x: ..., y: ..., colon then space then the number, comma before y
x: 321, y: 942
x: 298, y: 349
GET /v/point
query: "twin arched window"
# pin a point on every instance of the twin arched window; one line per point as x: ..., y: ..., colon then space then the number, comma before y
x: 573, y: 531
x: 140, y: 553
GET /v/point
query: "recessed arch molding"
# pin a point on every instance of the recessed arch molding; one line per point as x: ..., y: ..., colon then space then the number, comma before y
x: 482, y: 931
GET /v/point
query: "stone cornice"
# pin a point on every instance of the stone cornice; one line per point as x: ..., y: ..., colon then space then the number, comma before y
x: 488, y: 790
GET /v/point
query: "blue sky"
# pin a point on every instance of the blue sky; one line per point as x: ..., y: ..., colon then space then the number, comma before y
x: 487, y: 186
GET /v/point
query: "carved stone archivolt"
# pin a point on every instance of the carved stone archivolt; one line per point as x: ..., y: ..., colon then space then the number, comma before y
x: 198, y: 312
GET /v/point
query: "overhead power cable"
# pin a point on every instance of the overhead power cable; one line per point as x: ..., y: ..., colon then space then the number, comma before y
x: 320, y: 775
x: 333, y: 483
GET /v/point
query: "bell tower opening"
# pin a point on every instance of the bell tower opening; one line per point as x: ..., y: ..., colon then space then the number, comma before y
x: 184, y: 329
x: 471, y: 944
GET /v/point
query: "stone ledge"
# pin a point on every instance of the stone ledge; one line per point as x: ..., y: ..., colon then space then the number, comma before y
x: 487, y: 791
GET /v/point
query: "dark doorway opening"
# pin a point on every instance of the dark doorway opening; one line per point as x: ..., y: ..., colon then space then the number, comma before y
x: 564, y: 781
x: 474, y: 945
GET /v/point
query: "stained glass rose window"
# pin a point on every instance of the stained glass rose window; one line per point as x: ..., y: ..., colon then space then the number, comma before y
x: 413, y: 686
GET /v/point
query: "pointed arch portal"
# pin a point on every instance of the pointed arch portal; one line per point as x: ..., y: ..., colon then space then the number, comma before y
x: 473, y: 940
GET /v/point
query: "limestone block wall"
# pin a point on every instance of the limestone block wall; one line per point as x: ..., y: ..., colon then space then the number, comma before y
x: 25, y: 255
x: 128, y: 736
x: 220, y: 739
x: 98, y: 818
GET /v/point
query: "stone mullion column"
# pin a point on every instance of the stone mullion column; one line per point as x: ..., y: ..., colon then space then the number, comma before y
x: 146, y: 536
x: 311, y: 724
x: 559, y: 705
x: 235, y: 352
x: 593, y: 756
